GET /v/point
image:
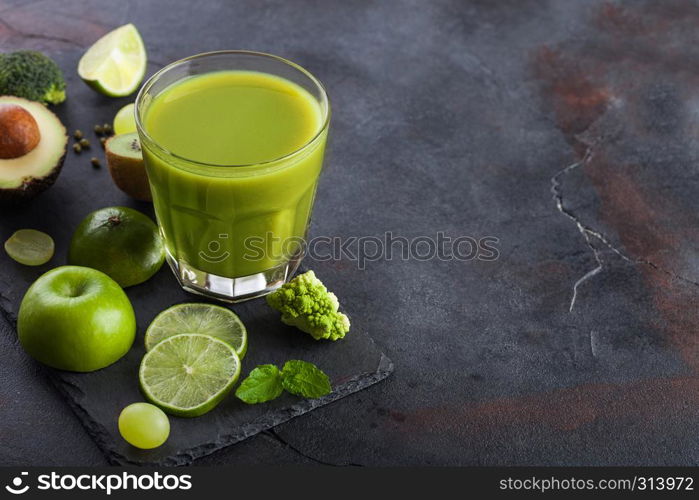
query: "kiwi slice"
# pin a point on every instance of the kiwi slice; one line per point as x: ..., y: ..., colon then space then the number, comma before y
x: 126, y: 166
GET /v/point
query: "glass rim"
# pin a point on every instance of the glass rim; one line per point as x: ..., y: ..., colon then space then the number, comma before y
x: 151, y: 81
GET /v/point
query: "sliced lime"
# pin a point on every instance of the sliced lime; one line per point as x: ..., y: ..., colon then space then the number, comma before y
x: 116, y: 64
x: 206, y: 319
x: 30, y: 247
x: 125, y: 121
x: 187, y: 375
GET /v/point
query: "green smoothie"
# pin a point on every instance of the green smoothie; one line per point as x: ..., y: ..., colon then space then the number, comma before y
x: 232, y: 183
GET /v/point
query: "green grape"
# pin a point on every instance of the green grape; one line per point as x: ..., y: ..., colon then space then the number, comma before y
x: 144, y: 425
x: 30, y: 247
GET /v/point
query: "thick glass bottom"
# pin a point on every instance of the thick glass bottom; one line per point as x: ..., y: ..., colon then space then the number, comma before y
x: 232, y: 289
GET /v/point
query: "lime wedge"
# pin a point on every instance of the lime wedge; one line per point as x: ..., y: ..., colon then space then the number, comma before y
x: 187, y: 375
x: 125, y: 121
x: 116, y: 63
x: 30, y: 247
x: 205, y: 319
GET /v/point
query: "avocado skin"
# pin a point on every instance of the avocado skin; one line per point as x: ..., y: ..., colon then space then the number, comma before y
x: 32, y: 188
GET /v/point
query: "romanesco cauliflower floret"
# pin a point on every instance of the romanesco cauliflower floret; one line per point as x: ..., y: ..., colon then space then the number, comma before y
x: 306, y: 304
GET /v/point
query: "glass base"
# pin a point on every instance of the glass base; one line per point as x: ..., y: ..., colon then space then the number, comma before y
x: 232, y: 289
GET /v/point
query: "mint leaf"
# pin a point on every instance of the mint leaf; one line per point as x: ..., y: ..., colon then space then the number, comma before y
x: 264, y: 383
x: 305, y: 379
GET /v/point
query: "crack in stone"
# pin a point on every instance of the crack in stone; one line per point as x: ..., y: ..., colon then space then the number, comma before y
x: 588, y: 233
x: 593, y: 343
x: 585, y: 231
x: 273, y: 434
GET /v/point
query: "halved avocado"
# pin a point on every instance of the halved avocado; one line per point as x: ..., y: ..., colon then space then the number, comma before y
x: 24, y: 177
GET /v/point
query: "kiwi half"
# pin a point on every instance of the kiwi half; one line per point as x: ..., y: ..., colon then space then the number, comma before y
x: 126, y: 166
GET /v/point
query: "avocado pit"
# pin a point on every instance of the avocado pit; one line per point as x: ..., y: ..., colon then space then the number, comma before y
x: 19, y: 132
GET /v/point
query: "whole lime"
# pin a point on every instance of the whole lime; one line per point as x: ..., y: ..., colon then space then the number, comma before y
x: 119, y: 241
x: 76, y: 318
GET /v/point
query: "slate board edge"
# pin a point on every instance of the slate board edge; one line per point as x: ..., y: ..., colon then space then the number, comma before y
x: 102, y: 437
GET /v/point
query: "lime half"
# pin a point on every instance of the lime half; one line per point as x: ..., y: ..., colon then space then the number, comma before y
x: 125, y: 121
x: 116, y: 64
x: 205, y: 319
x: 30, y: 247
x: 187, y: 375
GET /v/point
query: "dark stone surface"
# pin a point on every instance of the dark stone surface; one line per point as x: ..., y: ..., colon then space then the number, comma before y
x: 567, y: 129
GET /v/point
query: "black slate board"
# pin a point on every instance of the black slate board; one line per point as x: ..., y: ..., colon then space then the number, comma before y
x: 97, y: 398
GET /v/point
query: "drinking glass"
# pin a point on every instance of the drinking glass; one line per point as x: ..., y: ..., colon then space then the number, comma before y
x: 233, y: 232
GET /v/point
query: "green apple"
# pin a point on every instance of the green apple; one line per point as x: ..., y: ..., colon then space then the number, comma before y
x: 76, y: 318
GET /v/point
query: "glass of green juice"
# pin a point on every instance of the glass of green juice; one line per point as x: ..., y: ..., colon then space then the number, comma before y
x: 233, y: 143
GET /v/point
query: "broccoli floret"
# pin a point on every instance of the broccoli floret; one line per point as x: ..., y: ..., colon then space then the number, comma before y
x: 306, y: 304
x: 31, y: 75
